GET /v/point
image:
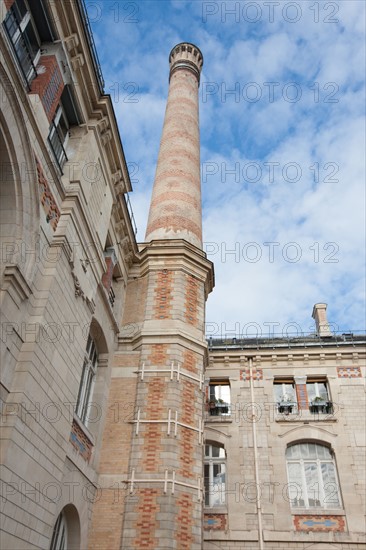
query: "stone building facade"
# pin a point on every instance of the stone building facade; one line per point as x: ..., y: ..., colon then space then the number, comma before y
x: 122, y: 427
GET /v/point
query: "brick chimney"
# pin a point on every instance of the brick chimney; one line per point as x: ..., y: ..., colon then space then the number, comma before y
x: 175, y: 209
x: 321, y: 322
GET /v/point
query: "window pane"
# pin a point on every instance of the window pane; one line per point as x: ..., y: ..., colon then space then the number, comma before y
x: 312, y: 483
x: 331, y: 492
x: 312, y: 450
x: 215, y: 451
x: 207, y: 450
x: 304, y: 450
x: 207, y: 484
x: 218, y: 493
x: 295, y: 485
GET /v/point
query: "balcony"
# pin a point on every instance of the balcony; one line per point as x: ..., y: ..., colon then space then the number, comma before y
x: 287, y: 407
x: 218, y: 407
x: 321, y: 406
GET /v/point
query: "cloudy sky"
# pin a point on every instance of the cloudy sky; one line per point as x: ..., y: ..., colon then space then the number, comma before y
x: 282, y: 147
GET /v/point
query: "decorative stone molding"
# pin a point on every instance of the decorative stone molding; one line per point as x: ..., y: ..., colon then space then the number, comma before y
x: 80, y: 441
x: 215, y: 522
x: 349, y: 372
x: 77, y: 61
x: 47, y: 199
x: 319, y: 523
x: 80, y: 293
x: 15, y: 284
x: 72, y: 42
x: 257, y: 374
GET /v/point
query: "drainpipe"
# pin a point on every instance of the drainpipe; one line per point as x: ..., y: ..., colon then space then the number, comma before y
x: 256, y: 468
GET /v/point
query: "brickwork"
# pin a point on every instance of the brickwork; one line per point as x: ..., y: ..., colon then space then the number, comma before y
x: 191, y: 301
x: 146, y: 523
x: 257, y: 374
x: 47, y: 199
x: 319, y: 523
x: 215, y: 522
x: 175, y: 210
x: 349, y: 372
x: 80, y: 441
x: 185, y: 522
x: 48, y: 84
x: 163, y: 294
x: 302, y: 396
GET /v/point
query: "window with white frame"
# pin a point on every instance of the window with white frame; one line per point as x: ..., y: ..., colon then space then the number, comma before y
x: 219, y: 397
x: 87, y: 381
x: 215, y: 475
x: 312, y: 476
x: 59, y: 536
x: 285, y: 395
x: 23, y: 35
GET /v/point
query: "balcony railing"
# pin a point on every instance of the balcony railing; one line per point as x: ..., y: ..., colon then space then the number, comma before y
x: 321, y: 407
x: 215, y: 408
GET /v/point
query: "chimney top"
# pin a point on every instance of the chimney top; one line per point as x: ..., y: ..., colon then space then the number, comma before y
x: 188, y: 56
x: 321, y: 322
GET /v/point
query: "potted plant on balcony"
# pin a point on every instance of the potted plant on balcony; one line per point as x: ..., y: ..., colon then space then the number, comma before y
x: 286, y: 403
x: 318, y: 404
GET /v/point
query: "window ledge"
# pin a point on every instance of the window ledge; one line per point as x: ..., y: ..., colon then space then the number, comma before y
x: 218, y: 419
x: 215, y: 510
x: 305, y: 416
x: 318, y: 512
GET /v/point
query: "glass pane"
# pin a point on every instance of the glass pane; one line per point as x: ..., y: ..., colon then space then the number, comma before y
x: 330, y: 485
x: 207, y: 484
x: 312, y: 450
x: 285, y: 393
x: 207, y: 450
x: 225, y: 393
x: 295, y: 486
x: 312, y: 483
x: 218, y: 493
x: 311, y: 391
x: 322, y: 390
x: 304, y: 450
x: 215, y: 451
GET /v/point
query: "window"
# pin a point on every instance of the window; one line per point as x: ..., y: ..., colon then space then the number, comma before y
x: 59, y: 135
x: 87, y: 381
x: 312, y: 477
x: 318, y: 396
x: 219, y: 398
x: 285, y: 396
x: 24, y: 38
x: 215, y: 474
x: 315, y: 395
x: 59, y: 537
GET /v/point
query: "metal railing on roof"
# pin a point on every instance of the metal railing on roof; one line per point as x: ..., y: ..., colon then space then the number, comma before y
x: 289, y: 341
x: 90, y: 38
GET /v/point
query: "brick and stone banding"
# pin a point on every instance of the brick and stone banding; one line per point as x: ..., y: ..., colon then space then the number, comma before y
x: 177, y: 180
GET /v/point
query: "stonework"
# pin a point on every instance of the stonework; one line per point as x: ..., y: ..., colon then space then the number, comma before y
x: 119, y: 421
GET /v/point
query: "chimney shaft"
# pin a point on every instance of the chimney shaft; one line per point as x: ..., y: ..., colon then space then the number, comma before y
x: 175, y: 209
x: 321, y: 322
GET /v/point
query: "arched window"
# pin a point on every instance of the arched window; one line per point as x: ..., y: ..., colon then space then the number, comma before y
x: 87, y: 380
x: 59, y: 537
x: 215, y: 475
x: 312, y: 476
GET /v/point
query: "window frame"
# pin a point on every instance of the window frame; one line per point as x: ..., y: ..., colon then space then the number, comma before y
x: 19, y: 26
x: 302, y: 461
x: 217, y: 404
x: 211, y: 461
x: 59, y: 144
x: 59, y: 535
x: 87, y: 381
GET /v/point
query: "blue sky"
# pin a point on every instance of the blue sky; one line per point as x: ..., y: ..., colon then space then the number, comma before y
x: 282, y: 147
